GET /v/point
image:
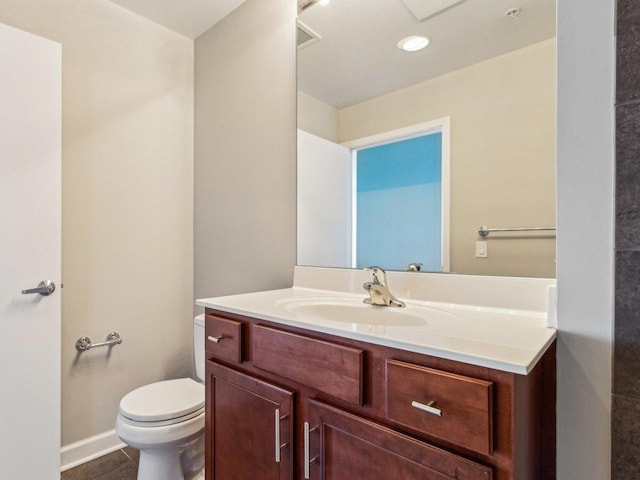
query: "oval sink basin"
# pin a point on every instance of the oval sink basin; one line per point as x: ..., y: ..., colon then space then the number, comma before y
x: 353, y: 311
x: 366, y: 314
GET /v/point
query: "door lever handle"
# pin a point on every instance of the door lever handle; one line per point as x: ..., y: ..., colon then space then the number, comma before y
x: 46, y: 288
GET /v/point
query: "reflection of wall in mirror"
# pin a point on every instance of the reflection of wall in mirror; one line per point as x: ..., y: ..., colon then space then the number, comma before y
x: 502, y: 151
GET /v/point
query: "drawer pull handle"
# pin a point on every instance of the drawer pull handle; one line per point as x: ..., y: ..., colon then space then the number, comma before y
x: 213, y: 339
x: 307, y: 461
x: 429, y: 407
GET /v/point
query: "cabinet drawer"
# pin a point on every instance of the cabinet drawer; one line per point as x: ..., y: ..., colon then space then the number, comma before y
x: 223, y: 338
x: 324, y: 366
x: 451, y: 407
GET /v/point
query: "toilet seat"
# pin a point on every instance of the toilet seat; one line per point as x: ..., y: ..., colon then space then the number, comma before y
x: 163, y: 403
x: 143, y: 437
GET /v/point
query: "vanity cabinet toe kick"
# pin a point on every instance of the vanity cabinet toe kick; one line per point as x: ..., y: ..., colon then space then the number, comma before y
x: 289, y: 403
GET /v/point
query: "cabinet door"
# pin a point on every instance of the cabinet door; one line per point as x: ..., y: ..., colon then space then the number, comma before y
x: 340, y: 446
x: 249, y: 427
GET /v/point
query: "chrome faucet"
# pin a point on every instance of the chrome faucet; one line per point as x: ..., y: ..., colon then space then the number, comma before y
x: 378, y: 291
x: 413, y: 267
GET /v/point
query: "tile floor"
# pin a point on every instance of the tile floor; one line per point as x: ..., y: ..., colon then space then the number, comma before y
x: 119, y: 465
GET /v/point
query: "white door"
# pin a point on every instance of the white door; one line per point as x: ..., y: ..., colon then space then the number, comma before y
x: 324, y: 202
x: 30, y: 146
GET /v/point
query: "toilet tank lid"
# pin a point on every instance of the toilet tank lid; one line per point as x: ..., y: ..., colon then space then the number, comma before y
x: 163, y: 400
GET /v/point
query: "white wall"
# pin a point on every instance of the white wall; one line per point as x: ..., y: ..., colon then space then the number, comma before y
x: 585, y: 236
x: 245, y: 159
x: 127, y: 192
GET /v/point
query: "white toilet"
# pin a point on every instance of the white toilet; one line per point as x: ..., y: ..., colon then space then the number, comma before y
x: 165, y: 421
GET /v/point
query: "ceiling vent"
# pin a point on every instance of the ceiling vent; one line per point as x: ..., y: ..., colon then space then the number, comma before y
x: 422, y: 9
x: 306, y: 36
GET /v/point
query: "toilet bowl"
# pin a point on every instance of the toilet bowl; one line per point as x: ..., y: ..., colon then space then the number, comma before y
x: 165, y: 421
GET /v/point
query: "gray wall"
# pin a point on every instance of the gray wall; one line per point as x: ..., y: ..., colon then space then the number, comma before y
x: 245, y: 162
x: 626, y: 386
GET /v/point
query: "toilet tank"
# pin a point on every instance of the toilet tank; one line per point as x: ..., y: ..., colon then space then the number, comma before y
x: 198, y: 346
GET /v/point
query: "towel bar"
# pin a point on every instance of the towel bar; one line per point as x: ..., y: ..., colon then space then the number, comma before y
x: 84, y: 343
x: 484, y: 231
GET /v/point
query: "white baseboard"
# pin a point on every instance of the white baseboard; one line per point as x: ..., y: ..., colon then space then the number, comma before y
x: 88, y: 449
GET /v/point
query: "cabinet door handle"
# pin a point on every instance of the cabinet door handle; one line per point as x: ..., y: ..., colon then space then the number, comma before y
x: 307, y: 461
x: 429, y: 407
x: 213, y: 339
x: 279, y: 446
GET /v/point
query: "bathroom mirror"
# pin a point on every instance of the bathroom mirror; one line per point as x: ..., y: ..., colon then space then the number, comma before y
x: 404, y: 155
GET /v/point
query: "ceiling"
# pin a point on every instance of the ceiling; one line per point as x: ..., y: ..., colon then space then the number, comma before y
x: 357, y: 58
x: 190, y: 18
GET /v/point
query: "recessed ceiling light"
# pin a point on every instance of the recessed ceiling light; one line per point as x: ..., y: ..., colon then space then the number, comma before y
x: 413, y: 44
x: 323, y: 2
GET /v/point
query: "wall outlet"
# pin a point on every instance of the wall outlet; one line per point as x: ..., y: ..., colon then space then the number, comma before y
x: 481, y: 249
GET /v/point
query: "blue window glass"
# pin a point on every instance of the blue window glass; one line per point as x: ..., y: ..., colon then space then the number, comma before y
x: 394, y: 181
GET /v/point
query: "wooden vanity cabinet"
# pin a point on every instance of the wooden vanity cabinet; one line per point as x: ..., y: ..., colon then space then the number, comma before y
x: 348, y: 410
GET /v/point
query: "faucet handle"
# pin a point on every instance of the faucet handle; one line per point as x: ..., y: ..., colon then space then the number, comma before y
x: 375, y: 271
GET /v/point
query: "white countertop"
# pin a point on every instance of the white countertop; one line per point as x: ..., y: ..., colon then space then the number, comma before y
x: 504, y: 339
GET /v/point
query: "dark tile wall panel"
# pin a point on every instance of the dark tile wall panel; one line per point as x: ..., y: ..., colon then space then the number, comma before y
x: 628, y: 176
x: 626, y: 425
x: 626, y: 365
x: 626, y: 373
x: 628, y: 51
